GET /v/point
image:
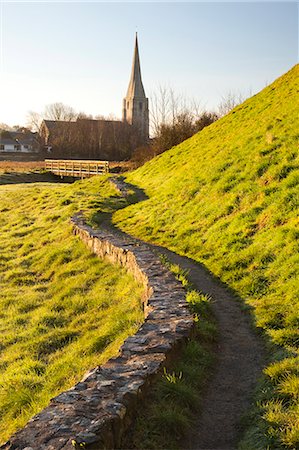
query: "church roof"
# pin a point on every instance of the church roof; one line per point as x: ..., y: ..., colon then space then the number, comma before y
x: 93, y: 121
x: 57, y: 123
x: 136, y: 88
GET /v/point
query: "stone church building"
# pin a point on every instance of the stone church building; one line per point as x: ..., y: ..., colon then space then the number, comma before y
x: 103, y: 139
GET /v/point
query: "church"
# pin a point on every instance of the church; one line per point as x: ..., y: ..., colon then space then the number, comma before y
x: 135, y: 105
x: 103, y: 139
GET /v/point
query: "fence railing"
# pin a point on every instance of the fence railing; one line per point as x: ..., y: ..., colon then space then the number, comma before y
x: 76, y: 168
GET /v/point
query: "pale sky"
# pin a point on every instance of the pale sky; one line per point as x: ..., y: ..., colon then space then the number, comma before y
x: 80, y: 53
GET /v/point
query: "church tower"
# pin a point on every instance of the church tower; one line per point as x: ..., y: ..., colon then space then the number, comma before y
x: 135, y: 104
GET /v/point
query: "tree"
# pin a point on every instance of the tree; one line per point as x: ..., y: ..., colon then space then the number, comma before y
x: 229, y: 102
x: 166, y: 106
x: 83, y: 115
x: 33, y: 120
x: 204, y: 119
x: 59, y: 111
x: 5, y: 127
x: 110, y: 116
x: 53, y: 111
x: 175, y: 117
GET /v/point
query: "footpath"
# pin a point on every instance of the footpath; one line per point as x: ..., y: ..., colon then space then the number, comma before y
x: 240, y: 355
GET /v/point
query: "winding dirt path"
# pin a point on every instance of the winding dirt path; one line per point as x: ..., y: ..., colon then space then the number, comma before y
x: 240, y: 357
x: 239, y: 362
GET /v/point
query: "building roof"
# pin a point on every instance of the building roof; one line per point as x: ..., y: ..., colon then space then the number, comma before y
x: 24, y: 138
x: 58, y: 125
x: 7, y: 141
x: 135, y: 88
x: 54, y: 123
x: 93, y: 121
x: 18, y: 138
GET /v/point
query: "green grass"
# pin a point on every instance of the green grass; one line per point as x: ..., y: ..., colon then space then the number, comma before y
x: 174, y: 401
x: 229, y: 198
x: 62, y: 310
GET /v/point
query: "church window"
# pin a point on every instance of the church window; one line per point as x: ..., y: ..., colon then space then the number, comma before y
x: 140, y: 106
x: 128, y: 104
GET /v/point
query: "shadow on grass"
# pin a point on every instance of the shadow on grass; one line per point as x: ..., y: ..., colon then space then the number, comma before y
x: 27, y: 178
x: 132, y: 195
x: 138, y: 195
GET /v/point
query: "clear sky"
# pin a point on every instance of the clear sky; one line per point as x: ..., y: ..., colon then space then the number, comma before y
x: 80, y: 53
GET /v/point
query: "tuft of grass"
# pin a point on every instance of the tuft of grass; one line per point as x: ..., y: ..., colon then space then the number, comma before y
x: 228, y: 198
x: 174, y: 387
x: 63, y: 311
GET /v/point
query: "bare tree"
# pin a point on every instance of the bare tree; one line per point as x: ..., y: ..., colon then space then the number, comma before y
x: 59, y: 111
x: 100, y: 117
x: 229, y: 102
x: 175, y: 117
x: 5, y: 127
x: 33, y: 120
x: 83, y: 115
x: 166, y: 105
x: 159, y: 108
x: 54, y: 111
x: 110, y: 116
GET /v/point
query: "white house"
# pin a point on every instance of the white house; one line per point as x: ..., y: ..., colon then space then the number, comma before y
x: 19, y: 142
x: 9, y: 145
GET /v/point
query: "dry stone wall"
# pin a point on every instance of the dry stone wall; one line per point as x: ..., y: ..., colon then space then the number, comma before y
x: 97, y: 411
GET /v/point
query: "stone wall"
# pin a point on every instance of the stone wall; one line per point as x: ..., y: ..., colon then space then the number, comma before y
x: 96, y: 412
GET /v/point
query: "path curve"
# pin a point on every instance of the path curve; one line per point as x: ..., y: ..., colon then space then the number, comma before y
x: 240, y: 356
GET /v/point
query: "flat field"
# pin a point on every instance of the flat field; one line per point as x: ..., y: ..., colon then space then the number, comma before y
x: 62, y: 310
x: 21, y: 166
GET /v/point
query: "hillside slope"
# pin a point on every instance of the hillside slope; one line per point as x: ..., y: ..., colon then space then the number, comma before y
x: 229, y: 198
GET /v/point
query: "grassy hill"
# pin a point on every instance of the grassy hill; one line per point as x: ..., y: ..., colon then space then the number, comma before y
x: 62, y: 310
x: 229, y: 198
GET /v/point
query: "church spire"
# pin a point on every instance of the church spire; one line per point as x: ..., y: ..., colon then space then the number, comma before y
x: 136, y: 88
x: 135, y: 104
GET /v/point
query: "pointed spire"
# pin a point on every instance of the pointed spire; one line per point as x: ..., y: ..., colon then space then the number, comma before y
x: 136, y: 88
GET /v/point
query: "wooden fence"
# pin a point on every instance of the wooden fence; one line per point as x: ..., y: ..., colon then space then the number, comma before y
x: 76, y: 168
